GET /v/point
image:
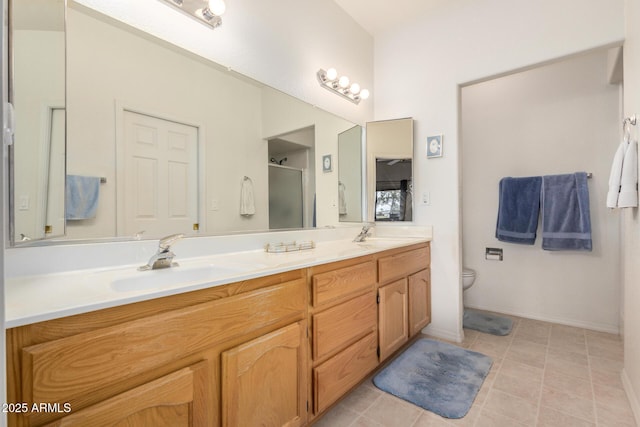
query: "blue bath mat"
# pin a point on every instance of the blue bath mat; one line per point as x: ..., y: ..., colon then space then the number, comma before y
x: 436, y: 376
x: 487, y: 323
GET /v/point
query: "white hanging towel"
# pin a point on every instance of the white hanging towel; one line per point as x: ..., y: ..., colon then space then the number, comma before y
x: 628, y: 197
x: 342, y: 201
x: 623, y: 180
x: 247, y: 203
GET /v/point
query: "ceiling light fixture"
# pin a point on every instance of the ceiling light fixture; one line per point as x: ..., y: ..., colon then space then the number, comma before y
x: 340, y: 85
x: 206, y: 11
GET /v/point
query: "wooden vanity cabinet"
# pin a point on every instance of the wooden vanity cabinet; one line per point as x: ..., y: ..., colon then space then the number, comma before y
x: 344, y: 328
x: 404, y: 294
x: 180, y: 359
x: 271, y: 351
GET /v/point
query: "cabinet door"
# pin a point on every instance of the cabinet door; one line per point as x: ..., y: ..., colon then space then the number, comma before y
x: 178, y: 399
x: 393, y: 316
x: 264, y: 381
x: 419, y: 301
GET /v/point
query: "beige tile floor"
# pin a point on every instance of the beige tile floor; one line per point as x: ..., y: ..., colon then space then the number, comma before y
x: 543, y: 374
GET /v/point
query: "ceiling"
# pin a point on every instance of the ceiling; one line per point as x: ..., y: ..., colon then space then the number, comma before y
x: 377, y: 16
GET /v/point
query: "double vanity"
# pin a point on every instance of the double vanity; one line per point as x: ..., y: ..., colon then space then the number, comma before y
x: 232, y: 339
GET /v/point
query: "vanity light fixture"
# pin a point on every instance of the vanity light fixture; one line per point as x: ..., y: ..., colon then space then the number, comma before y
x: 341, y: 85
x: 207, y: 11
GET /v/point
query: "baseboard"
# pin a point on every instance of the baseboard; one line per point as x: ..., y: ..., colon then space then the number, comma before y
x: 631, y: 395
x: 611, y: 329
x: 442, y: 333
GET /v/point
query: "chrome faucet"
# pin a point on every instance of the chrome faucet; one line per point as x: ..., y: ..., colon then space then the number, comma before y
x: 164, y: 257
x: 364, y: 233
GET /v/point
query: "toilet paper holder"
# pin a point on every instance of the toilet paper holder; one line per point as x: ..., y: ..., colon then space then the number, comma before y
x: 493, y: 254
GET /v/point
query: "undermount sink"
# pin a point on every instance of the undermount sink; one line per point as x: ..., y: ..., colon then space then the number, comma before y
x: 168, y: 277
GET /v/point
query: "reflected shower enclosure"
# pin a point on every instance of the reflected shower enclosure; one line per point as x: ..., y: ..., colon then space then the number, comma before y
x: 285, y: 197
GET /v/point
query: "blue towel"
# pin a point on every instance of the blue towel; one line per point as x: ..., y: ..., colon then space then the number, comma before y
x: 566, y: 222
x: 518, y: 210
x: 82, y: 194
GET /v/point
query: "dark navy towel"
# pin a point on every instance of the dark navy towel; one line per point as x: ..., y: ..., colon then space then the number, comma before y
x: 518, y: 209
x: 566, y: 221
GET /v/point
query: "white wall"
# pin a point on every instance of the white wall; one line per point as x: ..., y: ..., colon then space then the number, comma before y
x: 282, y: 43
x: 631, y: 219
x: 559, y: 118
x: 419, y: 68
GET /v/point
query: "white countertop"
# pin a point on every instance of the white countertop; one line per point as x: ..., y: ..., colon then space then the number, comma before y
x: 35, y: 298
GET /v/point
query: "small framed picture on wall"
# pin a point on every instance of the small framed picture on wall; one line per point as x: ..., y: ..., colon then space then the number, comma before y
x: 434, y: 146
x: 327, y: 164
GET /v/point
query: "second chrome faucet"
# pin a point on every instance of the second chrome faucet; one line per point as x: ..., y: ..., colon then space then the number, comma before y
x: 163, y: 258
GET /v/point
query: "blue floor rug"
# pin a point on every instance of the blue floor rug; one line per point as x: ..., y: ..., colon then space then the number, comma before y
x: 436, y: 376
x: 487, y: 323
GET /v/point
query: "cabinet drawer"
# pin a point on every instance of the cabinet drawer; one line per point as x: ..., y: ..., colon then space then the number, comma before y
x: 339, y: 325
x: 342, y: 282
x: 403, y: 264
x: 66, y: 369
x: 337, y: 375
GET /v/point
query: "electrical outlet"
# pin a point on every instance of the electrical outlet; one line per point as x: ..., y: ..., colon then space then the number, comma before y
x: 426, y: 198
x: 23, y: 203
x: 215, y: 205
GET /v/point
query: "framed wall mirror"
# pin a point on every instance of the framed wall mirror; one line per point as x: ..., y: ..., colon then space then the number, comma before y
x: 390, y: 170
x: 350, y: 175
x: 147, y: 139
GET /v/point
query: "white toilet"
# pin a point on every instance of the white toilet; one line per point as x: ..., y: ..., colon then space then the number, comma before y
x: 468, y: 277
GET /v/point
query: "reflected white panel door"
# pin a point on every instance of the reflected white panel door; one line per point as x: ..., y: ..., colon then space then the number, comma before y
x: 55, y: 222
x: 285, y: 197
x: 161, y: 176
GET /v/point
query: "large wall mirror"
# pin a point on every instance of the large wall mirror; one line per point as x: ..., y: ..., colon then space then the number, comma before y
x: 158, y: 140
x: 390, y: 170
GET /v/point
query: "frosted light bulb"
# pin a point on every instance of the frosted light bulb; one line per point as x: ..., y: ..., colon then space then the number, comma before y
x: 355, y: 88
x: 364, y: 94
x: 217, y: 7
x: 343, y: 82
x: 332, y: 73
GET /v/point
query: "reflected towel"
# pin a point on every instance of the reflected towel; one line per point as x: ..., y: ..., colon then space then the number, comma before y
x: 82, y: 193
x: 615, y: 176
x: 566, y: 221
x: 628, y: 197
x: 519, y: 204
x: 247, y: 203
x: 342, y: 201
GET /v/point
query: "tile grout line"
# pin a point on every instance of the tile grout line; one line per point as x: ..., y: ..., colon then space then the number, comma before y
x: 593, y: 389
x: 544, y: 372
x: 477, y: 420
